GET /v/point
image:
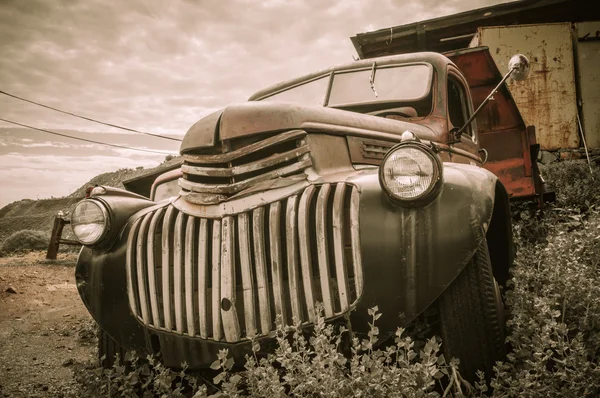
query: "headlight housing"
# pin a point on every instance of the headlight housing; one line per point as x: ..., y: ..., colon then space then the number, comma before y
x: 89, y: 221
x: 411, y: 173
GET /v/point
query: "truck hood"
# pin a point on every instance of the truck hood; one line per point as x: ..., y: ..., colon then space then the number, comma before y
x: 253, y: 117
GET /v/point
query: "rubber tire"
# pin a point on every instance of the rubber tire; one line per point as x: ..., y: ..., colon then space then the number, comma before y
x: 109, y: 349
x: 471, y: 318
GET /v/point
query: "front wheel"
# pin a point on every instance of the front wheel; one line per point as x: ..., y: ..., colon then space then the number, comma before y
x: 472, y: 318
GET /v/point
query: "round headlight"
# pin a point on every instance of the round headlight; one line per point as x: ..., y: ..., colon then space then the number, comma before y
x: 89, y: 221
x: 410, y: 172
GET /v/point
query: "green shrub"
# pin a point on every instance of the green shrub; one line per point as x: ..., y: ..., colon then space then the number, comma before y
x: 573, y: 183
x: 25, y: 240
x: 304, y: 364
x: 554, y: 306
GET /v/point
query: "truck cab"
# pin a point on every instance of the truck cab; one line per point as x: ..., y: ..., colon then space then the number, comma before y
x: 359, y: 185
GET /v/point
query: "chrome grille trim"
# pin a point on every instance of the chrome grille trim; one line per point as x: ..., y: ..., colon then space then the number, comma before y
x: 236, y: 187
x: 231, y: 325
x: 231, y: 172
x: 216, y: 280
x: 238, y: 153
x: 262, y: 283
x: 188, y: 273
x: 203, y: 241
x: 291, y: 233
x: 150, y: 266
x: 230, y: 278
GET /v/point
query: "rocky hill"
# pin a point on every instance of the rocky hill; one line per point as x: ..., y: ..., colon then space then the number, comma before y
x: 40, y: 214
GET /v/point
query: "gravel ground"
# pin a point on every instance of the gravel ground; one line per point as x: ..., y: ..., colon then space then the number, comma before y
x: 45, y: 330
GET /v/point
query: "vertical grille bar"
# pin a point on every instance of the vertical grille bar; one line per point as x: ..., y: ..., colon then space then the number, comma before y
x: 177, y: 268
x: 202, y: 272
x: 305, y: 252
x: 216, y: 280
x: 141, y: 260
x: 262, y: 281
x: 231, y: 325
x: 247, y: 274
x: 151, y: 266
x: 355, y: 241
x: 133, y: 232
x: 291, y: 233
x: 188, y: 275
x: 323, y: 249
x: 276, y: 266
x: 338, y: 245
x: 167, y: 246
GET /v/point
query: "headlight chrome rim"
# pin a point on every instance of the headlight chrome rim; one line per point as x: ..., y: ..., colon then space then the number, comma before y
x: 434, y: 187
x: 106, y: 224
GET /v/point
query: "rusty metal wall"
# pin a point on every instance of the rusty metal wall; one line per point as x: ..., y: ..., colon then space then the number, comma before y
x: 588, y: 74
x: 547, y: 99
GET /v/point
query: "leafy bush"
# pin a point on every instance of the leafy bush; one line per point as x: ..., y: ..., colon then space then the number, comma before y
x: 302, y: 365
x: 25, y: 240
x: 573, y: 183
x: 554, y: 302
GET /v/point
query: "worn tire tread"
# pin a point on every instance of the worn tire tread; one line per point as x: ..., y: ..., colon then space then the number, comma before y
x: 470, y: 324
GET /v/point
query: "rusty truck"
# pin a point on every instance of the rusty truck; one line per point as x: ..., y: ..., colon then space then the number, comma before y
x: 383, y: 182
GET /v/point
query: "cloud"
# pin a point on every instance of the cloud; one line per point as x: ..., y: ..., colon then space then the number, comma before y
x: 157, y: 68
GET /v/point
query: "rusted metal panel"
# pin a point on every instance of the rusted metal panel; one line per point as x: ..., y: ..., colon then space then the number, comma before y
x: 588, y: 61
x: 500, y: 127
x: 547, y: 98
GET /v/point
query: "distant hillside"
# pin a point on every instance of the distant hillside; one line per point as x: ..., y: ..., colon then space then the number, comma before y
x: 40, y: 214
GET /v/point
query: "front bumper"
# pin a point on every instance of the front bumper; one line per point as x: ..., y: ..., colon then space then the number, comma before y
x: 231, y: 271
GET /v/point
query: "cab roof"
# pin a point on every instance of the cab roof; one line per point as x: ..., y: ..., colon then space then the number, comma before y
x: 436, y: 59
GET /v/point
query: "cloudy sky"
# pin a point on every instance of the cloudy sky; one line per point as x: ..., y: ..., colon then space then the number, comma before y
x: 157, y: 66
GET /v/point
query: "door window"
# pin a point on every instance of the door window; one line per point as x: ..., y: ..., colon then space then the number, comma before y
x: 458, y: 109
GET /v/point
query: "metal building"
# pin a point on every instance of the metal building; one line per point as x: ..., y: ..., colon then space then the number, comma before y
x: 560, y: 37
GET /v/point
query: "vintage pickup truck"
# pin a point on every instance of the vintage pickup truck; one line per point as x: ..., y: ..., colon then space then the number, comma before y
x: 360, y: 185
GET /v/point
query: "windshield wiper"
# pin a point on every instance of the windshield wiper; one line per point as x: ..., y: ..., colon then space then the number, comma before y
x: 372, y: 78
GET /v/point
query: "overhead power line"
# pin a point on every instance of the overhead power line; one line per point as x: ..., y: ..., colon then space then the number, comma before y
x: 85, y: 139
x: 88, y: 118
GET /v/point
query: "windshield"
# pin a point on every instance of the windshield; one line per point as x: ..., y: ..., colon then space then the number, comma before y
x: 376, y: 84
x: 310, y: 93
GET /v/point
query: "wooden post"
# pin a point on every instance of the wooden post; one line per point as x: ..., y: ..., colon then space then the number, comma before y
x: 55, y: 238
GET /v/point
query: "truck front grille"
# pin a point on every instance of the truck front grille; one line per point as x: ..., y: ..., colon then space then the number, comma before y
x: 244, y: 162
x: 230, y: 278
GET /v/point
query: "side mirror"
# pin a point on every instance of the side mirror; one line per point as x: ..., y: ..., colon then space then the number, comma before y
x: 518, y: 68
x: 519, y: 65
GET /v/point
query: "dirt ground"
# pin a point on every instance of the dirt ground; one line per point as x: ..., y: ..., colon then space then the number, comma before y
x: 45, y: 330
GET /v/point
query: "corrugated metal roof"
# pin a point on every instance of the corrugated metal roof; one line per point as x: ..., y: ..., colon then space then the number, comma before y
x: 455, y: 31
